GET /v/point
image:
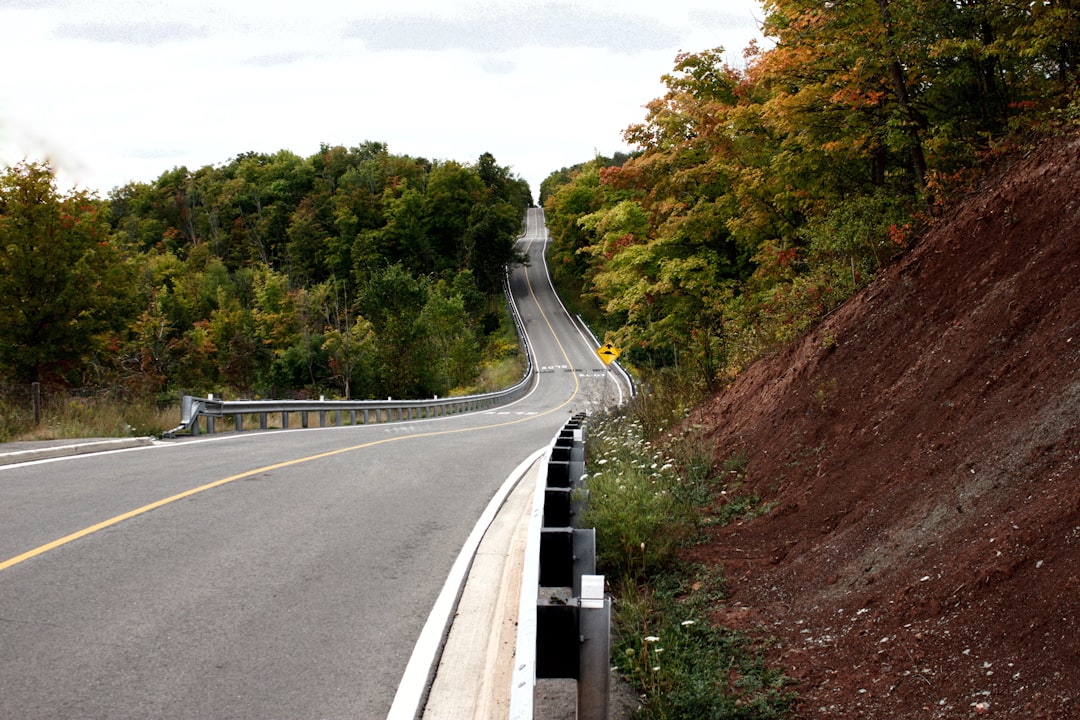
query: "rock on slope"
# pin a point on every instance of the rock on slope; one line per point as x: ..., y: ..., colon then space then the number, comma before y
x: 921, y: 448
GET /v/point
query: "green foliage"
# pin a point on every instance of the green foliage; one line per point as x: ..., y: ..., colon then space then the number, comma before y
x: 759, y: 199
x: 490, y: 239
x: 861, y: 234
x: 647, y: 499
x: 687, y: 667
x: 353, y: 272
x: 644, y: 501
x: 453, y: 349
x: 65, y: 287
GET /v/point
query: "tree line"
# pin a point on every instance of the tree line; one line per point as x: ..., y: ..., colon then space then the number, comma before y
x: 354, y: 272
x: 759, y: 198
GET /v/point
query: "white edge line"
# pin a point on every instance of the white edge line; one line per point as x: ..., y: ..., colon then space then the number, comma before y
x: 38, y: 456
x: 414, y: 683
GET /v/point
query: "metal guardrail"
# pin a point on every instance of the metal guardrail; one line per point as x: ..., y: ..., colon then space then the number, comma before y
x: 195, y: 411
x: 366, y: 412
x: 564, y: 616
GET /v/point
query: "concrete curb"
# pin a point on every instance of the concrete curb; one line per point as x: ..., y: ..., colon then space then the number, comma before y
x: 426, y: 655
x: 75, y: 448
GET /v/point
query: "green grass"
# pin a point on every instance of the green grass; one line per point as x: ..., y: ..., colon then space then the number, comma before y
x: 648, y: 498
x: 685, y: 665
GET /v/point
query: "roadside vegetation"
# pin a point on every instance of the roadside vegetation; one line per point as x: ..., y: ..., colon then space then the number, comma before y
x: 758, y: 198
x: 756, y: 201
x: 651, y: 493
x: 66, y: 414
x: 354, y: 273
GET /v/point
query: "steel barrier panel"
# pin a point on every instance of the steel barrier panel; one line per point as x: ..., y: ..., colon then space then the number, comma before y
x: 557, y: 640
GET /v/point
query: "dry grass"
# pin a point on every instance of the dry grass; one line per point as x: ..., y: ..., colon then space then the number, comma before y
x: 77, y: 417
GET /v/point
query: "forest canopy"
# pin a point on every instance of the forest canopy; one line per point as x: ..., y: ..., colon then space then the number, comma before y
x: 757, y: 199
x: 354, y: 272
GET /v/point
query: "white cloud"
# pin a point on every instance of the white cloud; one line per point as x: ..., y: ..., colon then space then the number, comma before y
x: 148, y: 33
x: 502, y: 28
x: 117, y: 90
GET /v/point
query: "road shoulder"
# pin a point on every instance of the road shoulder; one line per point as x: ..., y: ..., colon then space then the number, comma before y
x: 473, y: 678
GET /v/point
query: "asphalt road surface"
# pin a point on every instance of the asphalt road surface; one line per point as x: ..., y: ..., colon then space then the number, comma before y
x: 262, y: 575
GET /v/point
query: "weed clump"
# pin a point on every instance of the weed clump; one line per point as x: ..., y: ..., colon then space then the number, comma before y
x: 647, y: 498
x: 684, y: 664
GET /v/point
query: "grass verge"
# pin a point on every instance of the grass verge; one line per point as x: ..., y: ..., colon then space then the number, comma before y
x: 647, y: 499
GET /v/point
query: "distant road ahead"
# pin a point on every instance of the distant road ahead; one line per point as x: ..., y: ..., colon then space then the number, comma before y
x: 264, y: 575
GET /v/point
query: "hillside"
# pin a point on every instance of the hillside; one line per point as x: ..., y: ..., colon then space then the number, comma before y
x: 921, y: 452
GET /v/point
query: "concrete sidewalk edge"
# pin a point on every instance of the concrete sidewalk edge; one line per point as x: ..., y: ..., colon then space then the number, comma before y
x: 475, y: 671
x: 74, y: 448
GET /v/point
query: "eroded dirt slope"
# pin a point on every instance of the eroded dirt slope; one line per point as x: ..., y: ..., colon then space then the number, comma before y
x: 922, y: 449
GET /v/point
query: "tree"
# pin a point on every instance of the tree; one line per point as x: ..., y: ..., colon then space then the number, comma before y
x: 392, y: 301
x: 64, y: 285
x: 448, y: 340
x: 491, y: 236
x: 349, y: 338
x: 452, y: 191
x: 403, y: 239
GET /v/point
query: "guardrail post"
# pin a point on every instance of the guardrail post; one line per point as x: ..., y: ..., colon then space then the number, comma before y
x: 594, y: 624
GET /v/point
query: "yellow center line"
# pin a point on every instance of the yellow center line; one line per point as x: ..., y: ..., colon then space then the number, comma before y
x: 240, y: 476
x: 577, y: 383
x: 296, y: 461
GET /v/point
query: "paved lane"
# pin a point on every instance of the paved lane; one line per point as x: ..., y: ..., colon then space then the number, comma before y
x: 286, y: 575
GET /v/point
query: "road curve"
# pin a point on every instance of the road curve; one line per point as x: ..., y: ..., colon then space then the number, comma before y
x: 264, y: 575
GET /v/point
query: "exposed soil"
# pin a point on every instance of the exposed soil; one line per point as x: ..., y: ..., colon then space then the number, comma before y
x: 921, y: 448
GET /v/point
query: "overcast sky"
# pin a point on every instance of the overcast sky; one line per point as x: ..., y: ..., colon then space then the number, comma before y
x: 112, y: 91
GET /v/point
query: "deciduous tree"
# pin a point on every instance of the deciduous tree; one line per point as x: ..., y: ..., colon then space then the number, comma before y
x: 64, y: 285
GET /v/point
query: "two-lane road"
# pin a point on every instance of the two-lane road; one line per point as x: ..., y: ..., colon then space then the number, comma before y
x: 264, y: 575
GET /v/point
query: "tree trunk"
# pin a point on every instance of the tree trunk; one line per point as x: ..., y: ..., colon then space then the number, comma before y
x: 915, y: 120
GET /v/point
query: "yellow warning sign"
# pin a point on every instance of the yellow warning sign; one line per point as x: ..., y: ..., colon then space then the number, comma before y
x: 608, y: 353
